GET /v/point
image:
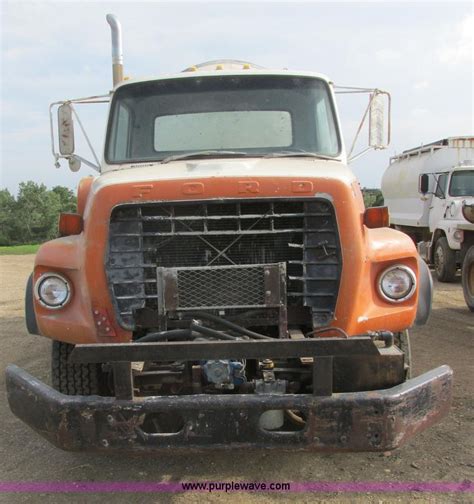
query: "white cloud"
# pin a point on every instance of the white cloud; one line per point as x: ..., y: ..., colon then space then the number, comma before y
x: 419, y: 112
x: 388, y: 55
x: 459, y: 47
x: 15, y: 53
x: 421, y: 85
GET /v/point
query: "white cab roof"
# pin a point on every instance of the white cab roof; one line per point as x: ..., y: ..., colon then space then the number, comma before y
x: 226, y: 67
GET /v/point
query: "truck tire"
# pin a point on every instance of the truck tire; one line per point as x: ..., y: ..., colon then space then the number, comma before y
x: 75, y: 379
x: 468, y: 278
x: 402, y: 340
x: 444, y: 261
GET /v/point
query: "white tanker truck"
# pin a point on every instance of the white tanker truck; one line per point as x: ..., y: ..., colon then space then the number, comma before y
x: 429, y: 191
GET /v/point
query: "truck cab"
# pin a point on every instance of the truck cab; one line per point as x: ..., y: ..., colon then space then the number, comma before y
x: 451, y: 225
x: 453, y: 190
x: 222, y: 284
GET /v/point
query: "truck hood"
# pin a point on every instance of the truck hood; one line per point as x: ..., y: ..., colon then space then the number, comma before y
x: 210, y: 168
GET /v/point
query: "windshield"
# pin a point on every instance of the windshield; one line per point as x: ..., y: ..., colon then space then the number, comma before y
x: 249, y: 115
x: 462, y: 183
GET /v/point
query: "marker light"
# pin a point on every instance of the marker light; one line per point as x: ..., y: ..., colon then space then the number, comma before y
x: 52, y: 291
x: 70, y: 224
x: 376, y: 217
x: 458, y: 235
x: 397, y: 284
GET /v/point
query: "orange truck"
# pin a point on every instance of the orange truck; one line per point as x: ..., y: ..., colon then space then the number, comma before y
x: 221, y: 284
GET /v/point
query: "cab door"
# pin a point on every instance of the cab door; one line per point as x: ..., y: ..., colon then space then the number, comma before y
x: 439, y: 202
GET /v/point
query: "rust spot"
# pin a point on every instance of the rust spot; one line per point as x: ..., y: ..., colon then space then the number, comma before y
x: 302, y: 186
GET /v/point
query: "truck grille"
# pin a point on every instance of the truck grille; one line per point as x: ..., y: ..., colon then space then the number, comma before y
x: 301, y: 233
x: 221, y: 287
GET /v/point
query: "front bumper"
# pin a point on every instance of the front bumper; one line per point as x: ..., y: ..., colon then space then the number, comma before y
x: 359, y: 421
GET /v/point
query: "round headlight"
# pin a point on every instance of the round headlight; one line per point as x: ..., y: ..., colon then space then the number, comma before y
x: 458, y: 235
x: 468, y: 212
x: 52, y: 290
x: 397, y: 283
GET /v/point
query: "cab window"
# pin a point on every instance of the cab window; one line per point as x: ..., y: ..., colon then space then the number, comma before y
x: 441, y: 185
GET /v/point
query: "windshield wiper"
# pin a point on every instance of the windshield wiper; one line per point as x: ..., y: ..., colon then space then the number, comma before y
x: 225, y: 153
x: 209, y: 153
x: 301, y: 153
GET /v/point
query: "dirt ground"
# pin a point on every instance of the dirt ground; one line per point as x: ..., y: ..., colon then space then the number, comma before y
x: 444, y: 452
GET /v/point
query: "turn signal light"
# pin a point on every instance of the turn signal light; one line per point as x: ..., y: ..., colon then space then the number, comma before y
x: 70, y: 224
x: 376, y: 217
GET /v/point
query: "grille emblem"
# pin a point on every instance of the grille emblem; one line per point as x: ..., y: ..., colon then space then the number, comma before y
x: 249, y: 186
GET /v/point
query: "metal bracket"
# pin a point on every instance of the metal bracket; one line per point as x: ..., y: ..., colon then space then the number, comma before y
x: 173, y: 298
x: 123, y: 380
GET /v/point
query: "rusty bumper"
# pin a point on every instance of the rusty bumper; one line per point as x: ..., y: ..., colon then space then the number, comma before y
x: 357, y: 421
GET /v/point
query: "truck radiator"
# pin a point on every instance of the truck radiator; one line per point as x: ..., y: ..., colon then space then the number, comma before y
x: 211, y: 244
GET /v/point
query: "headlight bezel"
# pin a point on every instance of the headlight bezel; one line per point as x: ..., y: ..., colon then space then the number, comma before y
x: 468, y: 212
x: 406, y: 296
x: 45, y: 276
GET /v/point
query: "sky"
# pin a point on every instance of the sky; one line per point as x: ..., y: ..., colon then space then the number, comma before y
x: 421, y: 52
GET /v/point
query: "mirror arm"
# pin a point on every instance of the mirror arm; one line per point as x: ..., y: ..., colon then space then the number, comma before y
x: 85, y: 135
x: 352, y: 89
x: 85, y: 161
x: 359, y: 129
x: 357, y: 156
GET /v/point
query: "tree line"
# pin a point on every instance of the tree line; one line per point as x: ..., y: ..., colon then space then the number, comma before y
x: 372, y: 197
x: 32, y: 216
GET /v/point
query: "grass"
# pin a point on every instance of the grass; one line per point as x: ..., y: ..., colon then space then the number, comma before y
x: 19, y: 249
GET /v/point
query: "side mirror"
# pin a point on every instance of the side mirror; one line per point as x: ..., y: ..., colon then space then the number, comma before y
x: 65, y: 130
x: 378, y: 139
x: 424, y: 184
x: 379, y: 124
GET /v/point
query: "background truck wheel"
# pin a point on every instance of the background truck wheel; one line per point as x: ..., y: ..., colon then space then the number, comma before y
x: 444, y: 261
x: 468, y: 278
x: 402, y: 340
x: 75, y: 379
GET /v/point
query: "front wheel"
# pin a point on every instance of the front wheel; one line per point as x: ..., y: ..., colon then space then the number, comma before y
x: 468, y: 278
x: 444, y: 261
x: 75, y: 379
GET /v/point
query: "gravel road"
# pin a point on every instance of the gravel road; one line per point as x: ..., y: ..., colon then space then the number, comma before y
x: 444, y: 452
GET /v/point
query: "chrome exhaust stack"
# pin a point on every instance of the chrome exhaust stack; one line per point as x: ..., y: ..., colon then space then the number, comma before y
x: 117, y: 56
